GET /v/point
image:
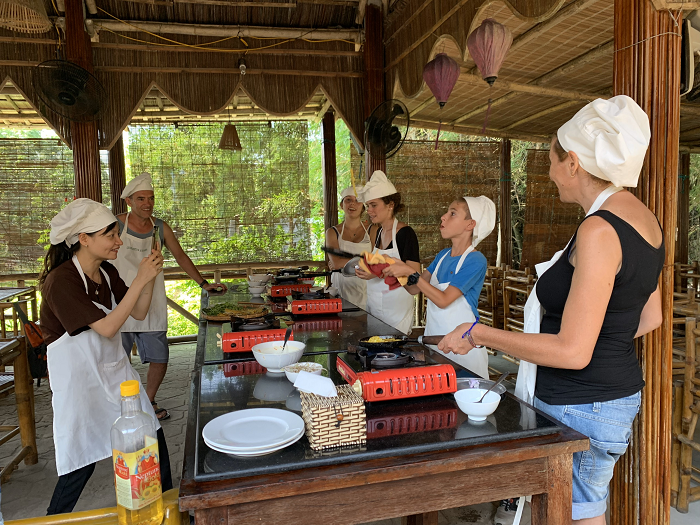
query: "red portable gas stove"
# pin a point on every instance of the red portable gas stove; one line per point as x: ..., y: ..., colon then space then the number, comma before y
x: 244, y: 341
x: 311, y: 303
x: 283, y: 290
x: 410, y: 417
x: 387, y: 376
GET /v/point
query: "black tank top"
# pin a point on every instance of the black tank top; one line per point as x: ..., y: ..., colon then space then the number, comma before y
x: 614, y: 370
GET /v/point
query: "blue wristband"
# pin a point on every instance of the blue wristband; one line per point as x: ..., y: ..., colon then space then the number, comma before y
x: 468, y: 332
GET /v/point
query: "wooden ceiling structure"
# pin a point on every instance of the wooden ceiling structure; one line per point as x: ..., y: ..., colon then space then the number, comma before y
x: 172, y: 59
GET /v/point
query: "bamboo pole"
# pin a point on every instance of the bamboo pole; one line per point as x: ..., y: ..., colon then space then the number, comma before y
x: 283, y: 33
x: 506, y: 247
x: 330, y: 175
x: 374, y: 75
x: 646, y: 67
x: 117, y: 176
x: 86, y: 156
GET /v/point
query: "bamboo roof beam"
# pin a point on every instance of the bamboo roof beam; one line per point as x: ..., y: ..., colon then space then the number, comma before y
x: 571, y: 65
x: 244, y: 3
x: 468, y: 130
x: 319, y: 116
x: 135, y: 26
x: 533, y: 89
x: 360, y: 11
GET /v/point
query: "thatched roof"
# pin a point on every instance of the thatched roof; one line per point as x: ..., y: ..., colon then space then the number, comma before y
x: 562, y: 56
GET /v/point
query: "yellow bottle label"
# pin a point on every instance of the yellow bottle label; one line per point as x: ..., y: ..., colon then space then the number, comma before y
x: 137, y: 476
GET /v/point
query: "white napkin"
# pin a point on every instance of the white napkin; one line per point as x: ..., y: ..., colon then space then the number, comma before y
x: 315, y: 384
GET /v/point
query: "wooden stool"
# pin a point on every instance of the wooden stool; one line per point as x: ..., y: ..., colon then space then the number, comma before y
x: 14, y: 352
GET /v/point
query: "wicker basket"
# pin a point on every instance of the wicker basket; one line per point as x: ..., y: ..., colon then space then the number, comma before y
x: 333, y: 422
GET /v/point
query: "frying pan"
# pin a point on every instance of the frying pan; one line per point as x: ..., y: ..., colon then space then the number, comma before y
x: 339, y: 253
x: 399, y: 341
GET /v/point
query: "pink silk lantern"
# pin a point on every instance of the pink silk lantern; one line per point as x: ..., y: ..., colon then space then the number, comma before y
x: 488, y: 45
x: 441, y: 75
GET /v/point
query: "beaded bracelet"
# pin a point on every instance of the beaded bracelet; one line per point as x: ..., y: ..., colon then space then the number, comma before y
x: 468, y: 335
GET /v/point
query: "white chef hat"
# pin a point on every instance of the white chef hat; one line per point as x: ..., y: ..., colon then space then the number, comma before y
x: 140, y: 183
x: 351, y: 191
x: 483, y: 211
x: 610, y: 138
x: 80, y: 216
x: 378, y: 186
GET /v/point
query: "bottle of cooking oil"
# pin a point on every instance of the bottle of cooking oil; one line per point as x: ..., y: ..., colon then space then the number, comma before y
x: 136, y: 462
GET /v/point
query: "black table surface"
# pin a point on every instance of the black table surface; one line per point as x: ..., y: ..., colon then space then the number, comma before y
x: 395, y: 428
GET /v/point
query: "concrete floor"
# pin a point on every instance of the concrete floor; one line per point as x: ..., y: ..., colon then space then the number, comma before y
x: 29, y: 490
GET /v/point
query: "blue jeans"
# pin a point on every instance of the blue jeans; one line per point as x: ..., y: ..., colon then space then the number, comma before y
x: 608, y: 426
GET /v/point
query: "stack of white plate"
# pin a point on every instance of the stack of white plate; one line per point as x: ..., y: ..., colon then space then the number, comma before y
x: 253, y: 432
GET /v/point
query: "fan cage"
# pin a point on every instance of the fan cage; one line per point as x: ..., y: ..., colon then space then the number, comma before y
x: 25, y: 16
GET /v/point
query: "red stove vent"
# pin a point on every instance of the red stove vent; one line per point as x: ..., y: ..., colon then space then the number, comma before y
x: 317, y: 306
x: 283, y: 290
x: 315, y: 325
x: 243, y: 369
x: 400, y: 424
x: 244, y: 341
x: 401, y: 383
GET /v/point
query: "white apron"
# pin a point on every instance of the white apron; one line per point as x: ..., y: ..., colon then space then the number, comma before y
x: 128, y: 259
x: 441, y: 321
x: 85, y: 373
x: 352, y: 288
x: 394, y: 307
x: 527, y: 372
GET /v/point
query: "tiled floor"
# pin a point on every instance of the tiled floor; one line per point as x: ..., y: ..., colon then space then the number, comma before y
x: 29, y: 490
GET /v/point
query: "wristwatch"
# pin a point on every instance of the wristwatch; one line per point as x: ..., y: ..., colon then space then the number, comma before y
x: 413, y: 279
x: 203, y: 283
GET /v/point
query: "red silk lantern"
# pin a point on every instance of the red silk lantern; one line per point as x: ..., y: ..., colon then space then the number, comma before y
x: 441, y: 75
x: 488, y: 45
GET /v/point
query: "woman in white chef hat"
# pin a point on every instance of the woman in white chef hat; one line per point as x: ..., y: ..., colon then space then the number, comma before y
x: 453, y: 282
x: 84, y: 305
x: 592, y: 299
x: 395, y: 239
x: 352, y: 236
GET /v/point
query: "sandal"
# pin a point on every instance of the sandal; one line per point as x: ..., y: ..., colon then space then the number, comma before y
x: 161, y: 413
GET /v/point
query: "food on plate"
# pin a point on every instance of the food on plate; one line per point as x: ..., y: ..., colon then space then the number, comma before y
x: 382, y: 339
x: 228, y: 309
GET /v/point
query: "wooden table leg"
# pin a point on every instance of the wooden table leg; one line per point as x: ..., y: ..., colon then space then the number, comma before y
x: 427, y: 518
x: 554, y: 507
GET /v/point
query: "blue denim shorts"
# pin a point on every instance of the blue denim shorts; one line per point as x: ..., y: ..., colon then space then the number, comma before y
x: 608, y: 426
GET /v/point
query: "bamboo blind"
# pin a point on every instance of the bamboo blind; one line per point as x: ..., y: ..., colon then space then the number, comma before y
x: 429, y: 180
x: 549, y: 223
x: 36, y: 181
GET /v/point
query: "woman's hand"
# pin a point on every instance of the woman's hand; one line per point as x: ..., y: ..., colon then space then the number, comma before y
x: 453, y: 341
x: 150, y: 267
x: 215, y: 287
x: 363, y: 274
x: 398, y: 269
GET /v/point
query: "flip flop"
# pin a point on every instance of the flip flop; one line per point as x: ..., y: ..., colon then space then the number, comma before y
x: 161, y: 413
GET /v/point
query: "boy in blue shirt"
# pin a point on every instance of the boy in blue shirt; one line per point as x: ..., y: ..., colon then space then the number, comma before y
x: 453, y: 282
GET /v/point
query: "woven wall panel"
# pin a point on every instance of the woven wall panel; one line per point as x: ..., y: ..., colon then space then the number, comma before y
x: 429, y: 180
x: 549, y: 223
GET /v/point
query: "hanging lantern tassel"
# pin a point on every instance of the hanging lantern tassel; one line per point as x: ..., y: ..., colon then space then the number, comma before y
x: 229, y: 139
x: 488, y: 111
x: 441, y: 74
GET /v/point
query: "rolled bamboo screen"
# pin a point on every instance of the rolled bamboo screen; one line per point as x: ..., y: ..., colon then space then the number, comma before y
x: 24, y: 16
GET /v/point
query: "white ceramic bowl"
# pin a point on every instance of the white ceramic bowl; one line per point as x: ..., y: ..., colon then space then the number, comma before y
x: 467, y: 402
x: 477, y: 382
x: 259, y: 277
x: 256, y: 290
x: 292, y: 371
x: 270, y: 354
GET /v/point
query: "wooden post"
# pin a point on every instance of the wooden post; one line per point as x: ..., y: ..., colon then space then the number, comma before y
x: 117, y: 176
x: 683, y: 208
x: 330, y: 174
x: 86, y: 155
x: 374, y: 72
x: 506, y: 226
x: 647, y: 68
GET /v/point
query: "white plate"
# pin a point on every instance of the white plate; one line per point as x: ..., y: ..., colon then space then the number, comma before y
x: 259, y: 452
x: 253, y: 428
x: 234, y: 450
